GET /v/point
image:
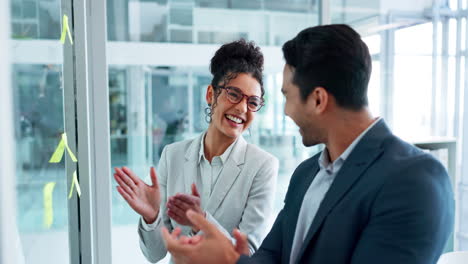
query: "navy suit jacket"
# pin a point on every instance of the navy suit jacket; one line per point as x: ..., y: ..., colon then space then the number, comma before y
x: 390, y: 203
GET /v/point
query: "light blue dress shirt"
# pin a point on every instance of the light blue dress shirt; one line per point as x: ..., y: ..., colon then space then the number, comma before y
x: 316, y: 192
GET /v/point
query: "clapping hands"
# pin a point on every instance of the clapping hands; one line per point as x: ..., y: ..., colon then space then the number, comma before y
x: 211, y: 247
x: 143, y: 198
x: 179, y: 204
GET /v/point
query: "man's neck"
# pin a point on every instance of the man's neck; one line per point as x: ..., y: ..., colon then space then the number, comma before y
x: 345, y: 129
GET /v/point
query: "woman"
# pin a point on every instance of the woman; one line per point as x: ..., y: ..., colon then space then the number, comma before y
x: 218, y: 173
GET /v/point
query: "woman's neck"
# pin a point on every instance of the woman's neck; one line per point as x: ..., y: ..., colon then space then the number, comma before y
x: 216, y: 143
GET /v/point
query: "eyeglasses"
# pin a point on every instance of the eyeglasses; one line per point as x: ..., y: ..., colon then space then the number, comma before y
x: 235, y: 96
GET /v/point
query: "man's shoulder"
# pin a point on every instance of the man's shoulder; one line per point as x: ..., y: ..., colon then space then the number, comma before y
x: 398, y: 152
x: 401, y: 159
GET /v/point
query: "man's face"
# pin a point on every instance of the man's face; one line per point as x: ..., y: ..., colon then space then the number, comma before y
x: 300, y: 111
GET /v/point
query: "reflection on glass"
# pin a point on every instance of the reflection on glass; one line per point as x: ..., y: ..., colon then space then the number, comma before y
x: 38, y: 109
x: 170, y: 109
x: 268, y: 22
x: 35, y: 19
x: 39, y: 124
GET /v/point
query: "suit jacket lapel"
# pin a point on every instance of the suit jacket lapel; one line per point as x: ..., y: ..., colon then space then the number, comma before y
x: 300, y: 191
x: 230, y: 172
x: 191, y: 163
x: 364, y: 154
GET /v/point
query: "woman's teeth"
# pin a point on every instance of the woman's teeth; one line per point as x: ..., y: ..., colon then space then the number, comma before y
x: 234, y: 119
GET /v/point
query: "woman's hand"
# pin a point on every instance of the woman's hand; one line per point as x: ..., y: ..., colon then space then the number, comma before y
x: 143, y: 198
x: 179, y: 204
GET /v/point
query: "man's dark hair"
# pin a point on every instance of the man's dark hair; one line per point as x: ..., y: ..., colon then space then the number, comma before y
x: 333, y: 57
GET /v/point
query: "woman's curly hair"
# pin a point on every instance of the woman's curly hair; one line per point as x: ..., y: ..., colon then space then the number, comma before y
x: 234, y: 58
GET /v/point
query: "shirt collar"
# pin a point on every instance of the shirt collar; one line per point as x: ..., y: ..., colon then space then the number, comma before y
x: 324, y: 159
x: 223, y: 157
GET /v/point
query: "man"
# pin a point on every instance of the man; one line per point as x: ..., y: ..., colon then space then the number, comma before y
x: 369, y: 197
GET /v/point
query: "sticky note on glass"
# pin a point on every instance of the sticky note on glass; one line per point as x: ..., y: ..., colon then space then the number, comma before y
x: 48, y: 191
x: 58, y: 153
x: 65, y: 30
x: 75, y: 184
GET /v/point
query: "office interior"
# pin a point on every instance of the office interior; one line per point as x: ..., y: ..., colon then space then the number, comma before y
x: 124, y: 78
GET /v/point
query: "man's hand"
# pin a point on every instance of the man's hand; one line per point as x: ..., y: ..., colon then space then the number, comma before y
x: 143, y: 198
x: 179, y: 204
x: 211, y: 248
x: 242, y: 245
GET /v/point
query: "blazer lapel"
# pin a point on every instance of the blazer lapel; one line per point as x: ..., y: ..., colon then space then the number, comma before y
x: 364, y: 154
x: 295, y: 205
x: 228, y: 175
x: 191, y: 163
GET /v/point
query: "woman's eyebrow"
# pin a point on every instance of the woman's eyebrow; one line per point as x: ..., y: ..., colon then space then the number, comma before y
x: 240, y: 90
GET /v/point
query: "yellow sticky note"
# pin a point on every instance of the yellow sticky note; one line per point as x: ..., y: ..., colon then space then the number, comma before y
x: 65, y: 140
x: 48, y: 205
x: 58, y: 153
x: 75, y: 183
x: 65, y: 30
x: 72, y: 156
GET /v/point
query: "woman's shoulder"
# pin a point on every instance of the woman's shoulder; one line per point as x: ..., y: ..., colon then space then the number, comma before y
x: 181, y: 146
x: 258, y: 154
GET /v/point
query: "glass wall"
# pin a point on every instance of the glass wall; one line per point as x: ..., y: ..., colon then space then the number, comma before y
x: 158, y: 97
x: 42, y: 207
x: 39, y: 125
x: 268, y: 22
x: 415, y: 65
x: 35, y: 19
x: 417, y: 80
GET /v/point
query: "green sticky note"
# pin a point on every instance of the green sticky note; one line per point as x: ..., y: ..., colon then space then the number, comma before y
x: 65, y: 30
x: 58, y: 153
x: 48, y: 205
x: 75, y: 184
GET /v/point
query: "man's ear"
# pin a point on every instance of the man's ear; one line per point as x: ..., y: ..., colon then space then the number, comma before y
x: 210, y: 95
x: 318, y: 99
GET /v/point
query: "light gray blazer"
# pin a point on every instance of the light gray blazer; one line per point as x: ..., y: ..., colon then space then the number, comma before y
x: 242, y: 197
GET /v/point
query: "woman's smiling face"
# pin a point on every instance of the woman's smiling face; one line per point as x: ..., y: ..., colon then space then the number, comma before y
x: 229, y: 118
